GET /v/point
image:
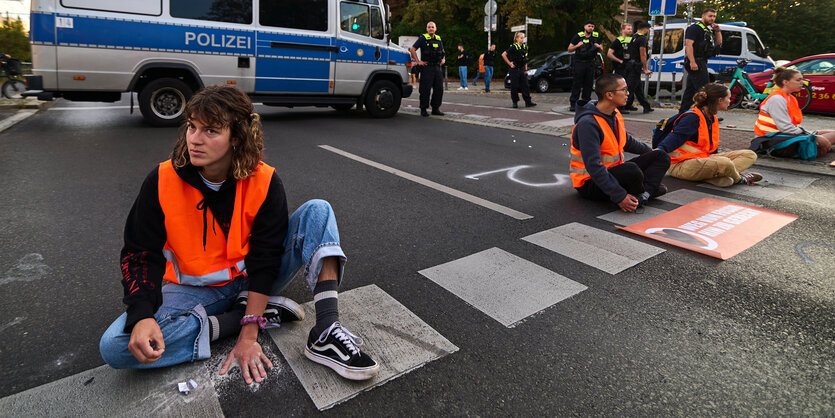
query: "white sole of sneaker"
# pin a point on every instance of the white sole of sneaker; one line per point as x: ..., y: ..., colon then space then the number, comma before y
x: 350, y: 373
x: 288, y: 304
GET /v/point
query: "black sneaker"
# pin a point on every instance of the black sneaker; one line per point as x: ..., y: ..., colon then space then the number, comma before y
x: 279, y: 309
x: 437, y: 112
x: 632, y: 108
x: 572, y: 109
x: 648, y: 110
x: 338, y: 349
x: 623, y: 111
x: 424, y: 113
x: 530, y: 104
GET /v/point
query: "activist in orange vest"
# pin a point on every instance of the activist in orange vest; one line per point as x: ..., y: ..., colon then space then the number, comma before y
x: 780, y: 112
x: 693, y: 142
x: 213, y: 223
x: 598, y: 140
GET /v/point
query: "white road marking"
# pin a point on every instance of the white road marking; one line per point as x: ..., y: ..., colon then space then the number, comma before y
x: 629, y: 218
x: 511, y: 174
x: 756, y: 191
x: 431, y: 184
x: 504, y: 286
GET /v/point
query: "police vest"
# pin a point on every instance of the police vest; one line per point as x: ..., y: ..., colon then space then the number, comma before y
x: 611, y: 150
x: 520, y: 55
x: 209, y: 258
x: 432, y: 50
x: 625, y: 51
x: 707, y: 142
x: 587, y: 51
x: 707, y: 48
x: 765, y: 124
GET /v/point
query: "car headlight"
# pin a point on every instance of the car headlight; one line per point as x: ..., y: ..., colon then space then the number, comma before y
x: 531, y: 73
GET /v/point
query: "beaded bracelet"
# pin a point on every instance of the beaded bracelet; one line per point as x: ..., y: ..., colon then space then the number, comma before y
x: 254, y: 319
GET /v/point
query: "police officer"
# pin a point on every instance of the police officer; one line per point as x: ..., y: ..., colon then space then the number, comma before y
x: 516, y: 57
x: 431, y: 60
x: 701, y: 41
x: 620, y: 55
x: 585, y: 46
x: 638, y: 67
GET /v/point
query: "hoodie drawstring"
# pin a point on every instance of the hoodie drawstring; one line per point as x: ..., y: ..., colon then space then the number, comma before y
x: 201, y: 205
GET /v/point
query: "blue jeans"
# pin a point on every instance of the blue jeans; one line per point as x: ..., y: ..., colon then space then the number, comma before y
x: 477, y: 75
x: 462, y: 73
x: 488, y: 75
x: 312, y: 235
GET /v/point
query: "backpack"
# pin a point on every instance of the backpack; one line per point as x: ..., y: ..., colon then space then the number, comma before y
x: 778, y: 144
x: 663, y: 128
x: 13, y: 67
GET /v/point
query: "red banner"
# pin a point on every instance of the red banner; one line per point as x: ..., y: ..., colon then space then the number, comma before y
x: 713, y: 227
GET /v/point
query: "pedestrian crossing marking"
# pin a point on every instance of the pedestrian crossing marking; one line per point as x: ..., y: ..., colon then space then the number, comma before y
x: 393, y: 336
x: 600, y: 249
x: 685, y: 196
x: 783, y: 178
x: 756, y: 191
x: 628, y: 218
x: 503, y: 286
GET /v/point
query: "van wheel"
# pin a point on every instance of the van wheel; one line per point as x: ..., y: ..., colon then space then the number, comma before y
x: 163, y: 101
x: 382, y: 99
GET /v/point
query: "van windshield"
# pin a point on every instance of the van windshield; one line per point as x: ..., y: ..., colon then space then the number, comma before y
x: 673, y: 41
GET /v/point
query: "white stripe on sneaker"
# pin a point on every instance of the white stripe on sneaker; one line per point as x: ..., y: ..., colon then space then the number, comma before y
x: 324, y: 295
x: 333, y: 348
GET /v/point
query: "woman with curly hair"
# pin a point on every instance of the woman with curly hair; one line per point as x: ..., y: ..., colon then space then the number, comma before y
x: 213, y: 223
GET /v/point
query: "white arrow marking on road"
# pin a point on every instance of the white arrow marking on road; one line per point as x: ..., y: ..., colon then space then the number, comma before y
x: 511, y: 174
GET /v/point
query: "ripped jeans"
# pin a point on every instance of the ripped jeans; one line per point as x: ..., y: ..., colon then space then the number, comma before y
x: 312, y: 235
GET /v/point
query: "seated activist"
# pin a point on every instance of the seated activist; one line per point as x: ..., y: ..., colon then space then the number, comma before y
x: 213, y: 222
x: 781, y: 113
x: 598, y: 140
x: 694, y: 138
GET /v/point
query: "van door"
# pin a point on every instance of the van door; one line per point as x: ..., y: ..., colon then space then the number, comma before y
x: 755, y: 52
x: 362, y: 46
x: 295, y: 48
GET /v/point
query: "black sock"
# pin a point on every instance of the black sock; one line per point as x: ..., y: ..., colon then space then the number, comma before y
x: 225, y: 324
x: 326, y: 300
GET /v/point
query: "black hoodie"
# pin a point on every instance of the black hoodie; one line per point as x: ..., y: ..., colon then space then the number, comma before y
x: 143, y: 264
x: 588, y: 137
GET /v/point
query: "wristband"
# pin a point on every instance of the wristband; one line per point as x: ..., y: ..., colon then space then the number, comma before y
x: 254, y: 319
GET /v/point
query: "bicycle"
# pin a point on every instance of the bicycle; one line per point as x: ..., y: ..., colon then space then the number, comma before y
x: 745, y: 95
x: 14, y: 86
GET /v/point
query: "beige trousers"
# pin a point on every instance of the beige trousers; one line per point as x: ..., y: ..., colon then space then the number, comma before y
x: 717, y: 166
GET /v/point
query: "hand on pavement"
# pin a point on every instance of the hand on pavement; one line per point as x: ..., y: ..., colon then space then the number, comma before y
x: 251, y: 359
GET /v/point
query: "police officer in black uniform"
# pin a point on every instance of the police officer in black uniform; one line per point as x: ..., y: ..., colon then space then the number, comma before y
x: 620, y: 55
x: 516, y: 57
x: 702, y: 40
x: 431, y: 60
x: 638, y: 67
x: 585, y: 46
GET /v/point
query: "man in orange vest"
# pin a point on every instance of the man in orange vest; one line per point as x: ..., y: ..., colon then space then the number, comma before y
x: 598, y: 140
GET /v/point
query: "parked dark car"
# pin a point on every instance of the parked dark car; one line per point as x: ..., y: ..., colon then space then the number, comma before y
x: 553, y: 70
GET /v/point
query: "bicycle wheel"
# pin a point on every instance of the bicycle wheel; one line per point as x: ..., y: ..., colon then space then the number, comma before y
x: 13, y: 89
x: 804, y: 97
x: 738, y: 94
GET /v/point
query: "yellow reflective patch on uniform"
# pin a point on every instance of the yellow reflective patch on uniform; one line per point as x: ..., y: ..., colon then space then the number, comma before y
x: 434, y: 45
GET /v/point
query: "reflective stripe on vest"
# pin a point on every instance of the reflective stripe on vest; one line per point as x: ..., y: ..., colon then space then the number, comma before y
x: 611, y: 150
x: 221, y: 259
x: 765, y: 124
x: 707, y: 143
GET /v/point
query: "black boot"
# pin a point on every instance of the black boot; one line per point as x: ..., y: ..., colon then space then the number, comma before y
x: 423, y: 112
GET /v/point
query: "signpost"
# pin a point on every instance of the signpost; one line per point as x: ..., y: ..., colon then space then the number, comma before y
x: 490, y: 20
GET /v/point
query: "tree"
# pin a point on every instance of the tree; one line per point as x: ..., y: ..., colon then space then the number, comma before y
x: 14, y: 40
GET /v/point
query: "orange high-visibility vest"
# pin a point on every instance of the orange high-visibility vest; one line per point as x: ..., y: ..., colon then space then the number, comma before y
x: 708, y: 142
x: 219, y: 260
x: 765, y: 124
x: 611, y: 150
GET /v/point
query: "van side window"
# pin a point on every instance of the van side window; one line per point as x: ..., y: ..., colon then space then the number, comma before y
x: 230, y: 11
x: 673, y: 41
x: 142, y: 7
x: 377, y: 30
x: 354, y: 18
x: 731, y: 43
x: 295, y: 14
x: 755, y: 46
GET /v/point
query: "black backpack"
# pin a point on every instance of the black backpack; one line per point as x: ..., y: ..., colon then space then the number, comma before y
x: 663, y: 128
x: 13, y: 67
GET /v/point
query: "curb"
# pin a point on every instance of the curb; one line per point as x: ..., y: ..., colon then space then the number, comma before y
x: 24, y: 110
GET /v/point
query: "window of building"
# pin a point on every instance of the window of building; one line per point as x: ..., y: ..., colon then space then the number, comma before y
x: 295, y: 14
x: 230, y: 11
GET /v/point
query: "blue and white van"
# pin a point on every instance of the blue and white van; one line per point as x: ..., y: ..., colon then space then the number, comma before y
x: 281, y: 52
x: 738, y: 41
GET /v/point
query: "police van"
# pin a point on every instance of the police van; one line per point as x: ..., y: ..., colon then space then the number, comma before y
x: 281, y: 52
x: 738, y: 42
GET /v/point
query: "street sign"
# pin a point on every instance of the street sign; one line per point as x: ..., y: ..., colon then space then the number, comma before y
x: 492, y: 23
x: 490, y: 9
x: 517, y: 28
x: 662, y: 7
x: 532, y: 21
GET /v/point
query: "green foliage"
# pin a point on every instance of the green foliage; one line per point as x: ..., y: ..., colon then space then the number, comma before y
x: 14, y: 40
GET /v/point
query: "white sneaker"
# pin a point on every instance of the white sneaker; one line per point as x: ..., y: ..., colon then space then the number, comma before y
x: 460, y: 88
x: 465, y: 88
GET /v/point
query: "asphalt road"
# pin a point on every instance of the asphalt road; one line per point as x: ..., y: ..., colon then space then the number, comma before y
x: 678, y: 334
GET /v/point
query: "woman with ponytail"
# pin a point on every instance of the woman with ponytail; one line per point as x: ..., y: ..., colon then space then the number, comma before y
x: 780, y: 113
x: 213, y: 223
x: 693, y: 142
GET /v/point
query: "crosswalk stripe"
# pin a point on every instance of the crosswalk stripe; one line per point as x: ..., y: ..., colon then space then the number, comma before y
x: 628, y: 218
x: 685, y: 196
x: 783, y: 178
x: 600, y: 249
x: 504, y: 286
x: 756, y: 191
